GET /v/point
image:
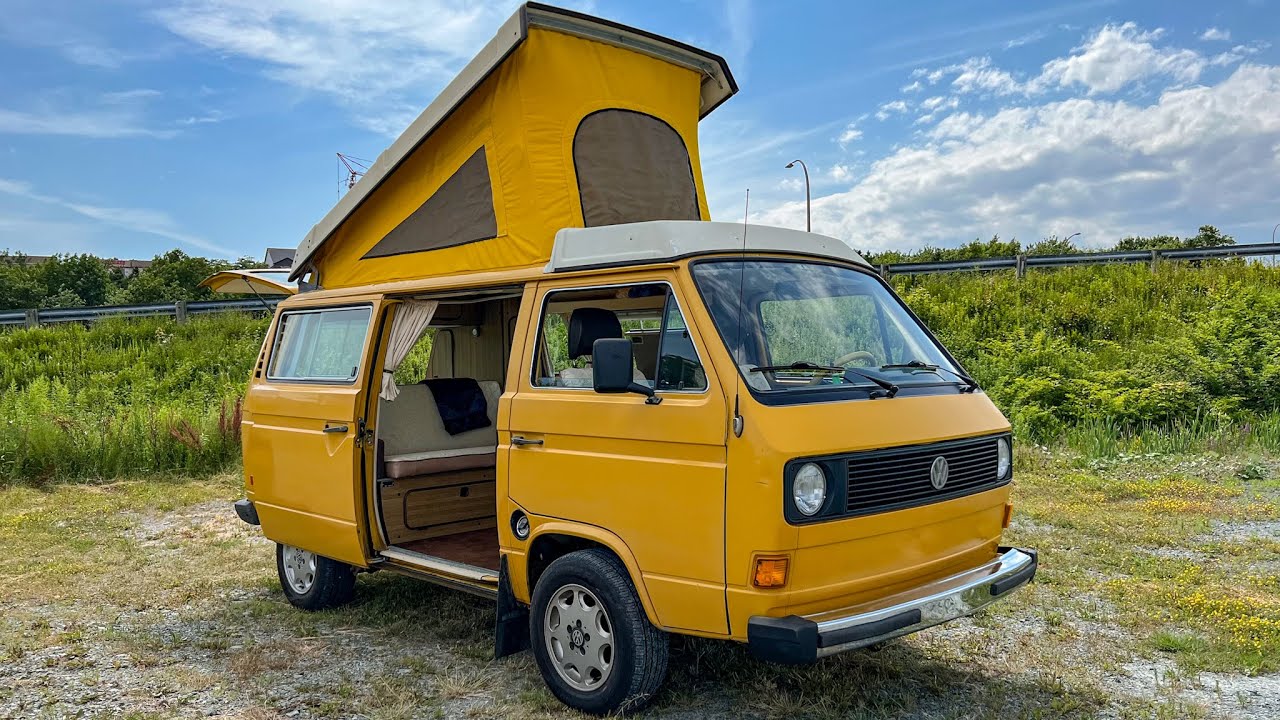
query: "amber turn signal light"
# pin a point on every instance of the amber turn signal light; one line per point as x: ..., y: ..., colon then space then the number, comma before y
x: 771, y: 572
x: 1008, y: 514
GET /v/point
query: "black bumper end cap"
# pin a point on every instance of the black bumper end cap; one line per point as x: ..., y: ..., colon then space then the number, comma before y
x: 1025, y: 575
x: 246, y: 511
x: 790, y: 640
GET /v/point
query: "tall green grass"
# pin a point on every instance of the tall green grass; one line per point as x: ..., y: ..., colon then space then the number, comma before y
x: 1187, y: 355
x: 123, y: 397
x: 1105, y: 360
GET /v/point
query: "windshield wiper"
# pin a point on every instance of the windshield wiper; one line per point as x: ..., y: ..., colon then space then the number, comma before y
x: 970, y: 383
x: 889, y: 388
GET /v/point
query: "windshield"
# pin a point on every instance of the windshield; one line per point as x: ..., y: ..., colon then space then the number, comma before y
x: 804, y: 324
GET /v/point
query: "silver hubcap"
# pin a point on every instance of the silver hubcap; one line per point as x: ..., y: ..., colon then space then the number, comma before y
x: 579, y: 637
x: 299, y: 569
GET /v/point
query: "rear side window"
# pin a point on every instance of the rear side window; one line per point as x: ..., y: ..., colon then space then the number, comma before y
x: 320, y: 345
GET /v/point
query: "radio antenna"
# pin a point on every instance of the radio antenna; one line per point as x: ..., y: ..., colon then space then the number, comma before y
x: 737, y: 342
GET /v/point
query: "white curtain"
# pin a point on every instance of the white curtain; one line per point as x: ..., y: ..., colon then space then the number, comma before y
x: 412, y: 317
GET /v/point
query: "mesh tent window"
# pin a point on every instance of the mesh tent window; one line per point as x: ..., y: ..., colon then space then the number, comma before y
x: 459, y: 212
x: 632, y: 167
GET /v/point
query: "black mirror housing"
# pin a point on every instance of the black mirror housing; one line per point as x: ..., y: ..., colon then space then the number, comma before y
x: 611, y: 363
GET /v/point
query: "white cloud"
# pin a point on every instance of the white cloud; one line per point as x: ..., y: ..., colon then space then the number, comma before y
x: 140, y: 220
x: 913, y: 87
x: 1214, y: 33
x: 1117, y: 56
x: 1104, y: 167
x: 840, y: 173
x: 108, y: 115
x: 936, y: 106
x: 890, y: 108
x: 370, y: 56
x: 1033, y: 36
x: 978, y: 75
x: 740, y: 21
x: 850, y: 134
x: 791, y: 184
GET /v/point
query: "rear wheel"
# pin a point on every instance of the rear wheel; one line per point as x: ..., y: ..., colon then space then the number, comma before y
x: 312, y: 582
x: 595, y: 647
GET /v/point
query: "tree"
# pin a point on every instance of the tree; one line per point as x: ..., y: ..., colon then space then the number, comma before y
x: 172, y: 276
x: 76, y: 280
x: 1052, y: 245
x: 19, y: 288
x: 1209, y: 236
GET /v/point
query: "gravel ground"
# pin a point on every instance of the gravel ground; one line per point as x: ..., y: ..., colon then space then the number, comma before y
x: 231, y: 648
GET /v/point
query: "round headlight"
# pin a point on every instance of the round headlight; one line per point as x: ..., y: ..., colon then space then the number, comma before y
x: 1004, y: 458
x: 809, y: 490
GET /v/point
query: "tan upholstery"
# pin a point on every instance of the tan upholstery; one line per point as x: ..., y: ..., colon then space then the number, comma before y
x: 416, y: 443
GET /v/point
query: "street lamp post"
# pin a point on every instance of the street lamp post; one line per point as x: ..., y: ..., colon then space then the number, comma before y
x: 1071, y: 236
x: 808, y: 206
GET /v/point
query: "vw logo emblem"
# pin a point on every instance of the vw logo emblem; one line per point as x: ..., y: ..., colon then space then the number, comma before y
x: 938, y: 473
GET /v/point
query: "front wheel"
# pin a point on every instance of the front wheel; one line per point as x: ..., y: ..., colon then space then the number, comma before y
x: 595, y: 647
x: 312, y: 582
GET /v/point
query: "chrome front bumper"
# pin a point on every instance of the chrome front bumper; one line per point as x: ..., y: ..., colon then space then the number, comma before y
x: 795, y: 639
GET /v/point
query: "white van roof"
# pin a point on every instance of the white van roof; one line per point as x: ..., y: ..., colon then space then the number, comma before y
x: 662, y: 240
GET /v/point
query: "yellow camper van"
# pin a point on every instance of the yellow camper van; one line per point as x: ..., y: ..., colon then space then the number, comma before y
x: 631, y: 421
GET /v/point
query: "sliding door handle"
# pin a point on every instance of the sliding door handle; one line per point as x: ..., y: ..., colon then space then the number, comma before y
x: 335, y: 428
x: 520, y: 441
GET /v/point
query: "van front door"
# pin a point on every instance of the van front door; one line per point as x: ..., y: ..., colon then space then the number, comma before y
x: 653, y: 475
x: 302, y: 443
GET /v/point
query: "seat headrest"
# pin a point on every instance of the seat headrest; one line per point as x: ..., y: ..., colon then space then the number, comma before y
x: 587, y: 325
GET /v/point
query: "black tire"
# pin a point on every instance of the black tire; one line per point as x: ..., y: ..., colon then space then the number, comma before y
x: 639, y: 650
x: 333, y: 585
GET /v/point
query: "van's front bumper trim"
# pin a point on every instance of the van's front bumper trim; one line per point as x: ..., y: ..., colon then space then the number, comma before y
x: 247, y: 511
x: 795, y: 639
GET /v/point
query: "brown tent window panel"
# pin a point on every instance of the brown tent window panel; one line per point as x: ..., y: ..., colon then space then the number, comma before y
x: 632, y: 167
x: 459, y: 212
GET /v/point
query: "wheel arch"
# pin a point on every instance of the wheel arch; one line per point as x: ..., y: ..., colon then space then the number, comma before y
x: 555, y: 539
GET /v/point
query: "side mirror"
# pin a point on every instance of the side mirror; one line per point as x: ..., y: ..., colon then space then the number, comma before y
x: 611, y: 362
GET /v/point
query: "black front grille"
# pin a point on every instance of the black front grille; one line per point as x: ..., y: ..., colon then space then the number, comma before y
x: 897, y: 478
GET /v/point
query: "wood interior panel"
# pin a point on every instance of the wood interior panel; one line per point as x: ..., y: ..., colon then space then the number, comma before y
x: 428, y: 506
x: 478, y: 548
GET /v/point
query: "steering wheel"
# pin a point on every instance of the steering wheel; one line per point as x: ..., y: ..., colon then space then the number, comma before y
x: 855, y: 355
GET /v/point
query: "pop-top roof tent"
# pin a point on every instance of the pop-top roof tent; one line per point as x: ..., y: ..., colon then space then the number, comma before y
x: 563, y: 120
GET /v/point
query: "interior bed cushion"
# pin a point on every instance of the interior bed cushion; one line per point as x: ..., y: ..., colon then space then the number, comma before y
x: 438, y: 461
x: 415, y: 441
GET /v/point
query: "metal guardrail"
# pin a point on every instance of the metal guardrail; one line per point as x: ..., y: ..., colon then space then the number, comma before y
x: 181, y: 309
x: 1020, y: 263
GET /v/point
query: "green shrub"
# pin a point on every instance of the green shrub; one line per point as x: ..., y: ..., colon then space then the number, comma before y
x: 124, y: 396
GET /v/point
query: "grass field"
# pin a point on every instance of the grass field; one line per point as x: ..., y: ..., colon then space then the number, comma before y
x: 1159, y: 596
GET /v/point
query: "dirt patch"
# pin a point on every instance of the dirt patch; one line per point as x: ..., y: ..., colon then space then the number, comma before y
x: 180, y: 616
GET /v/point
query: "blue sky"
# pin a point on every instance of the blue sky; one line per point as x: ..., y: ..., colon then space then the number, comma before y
x: 128, y: 127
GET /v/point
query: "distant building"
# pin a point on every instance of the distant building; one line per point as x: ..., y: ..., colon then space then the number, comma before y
x: 279, y: 257
x: 129, y: 268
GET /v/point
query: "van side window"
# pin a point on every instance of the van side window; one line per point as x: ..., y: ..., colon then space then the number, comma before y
x: 320, y: 345
x: 647, y: 314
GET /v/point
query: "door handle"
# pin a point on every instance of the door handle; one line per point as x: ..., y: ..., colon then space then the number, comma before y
x: 521, y: 441
x: 335, y: 428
